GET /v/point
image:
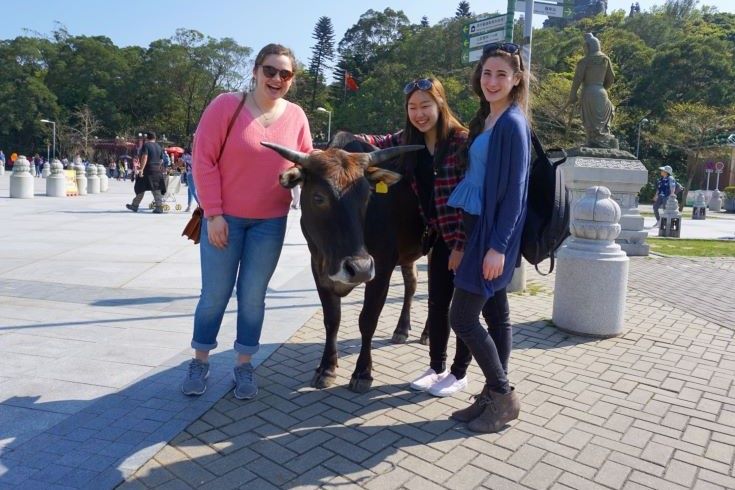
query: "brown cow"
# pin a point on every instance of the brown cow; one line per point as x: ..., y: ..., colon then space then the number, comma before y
x: 355, y: 235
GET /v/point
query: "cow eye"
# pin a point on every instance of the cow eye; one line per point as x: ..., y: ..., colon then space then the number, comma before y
x: 319, y: 199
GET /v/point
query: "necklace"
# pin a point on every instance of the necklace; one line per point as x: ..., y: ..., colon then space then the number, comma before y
x: 262, y: 112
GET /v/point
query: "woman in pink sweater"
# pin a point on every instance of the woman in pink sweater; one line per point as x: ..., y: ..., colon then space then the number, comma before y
x: 245, y: 210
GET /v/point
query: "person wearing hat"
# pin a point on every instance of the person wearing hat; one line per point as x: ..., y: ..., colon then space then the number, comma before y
x: 664, y: 187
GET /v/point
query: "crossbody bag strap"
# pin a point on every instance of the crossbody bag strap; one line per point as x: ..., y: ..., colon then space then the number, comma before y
x: 232, y: 123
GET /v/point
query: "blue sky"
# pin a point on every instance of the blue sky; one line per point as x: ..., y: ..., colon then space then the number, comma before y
x: 253, y: 24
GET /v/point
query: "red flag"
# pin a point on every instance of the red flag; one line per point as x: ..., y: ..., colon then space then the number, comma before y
x: 350, y: 83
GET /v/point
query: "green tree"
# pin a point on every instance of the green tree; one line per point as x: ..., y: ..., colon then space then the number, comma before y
x: 322, y: 53
x: 693, y: 128
x: 463, y: 9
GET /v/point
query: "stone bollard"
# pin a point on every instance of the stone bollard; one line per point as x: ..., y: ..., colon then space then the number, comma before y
x: 699, y: 209
x: 93, y: 181
x: 21, y: 180
x: 46, y: 171
x: 81, y: 179
x: 104, y: 179
x: 670, y: 225
x: 518, y: 281
x: 715, y: 203
x: 56, y: 181
x: 592, y: 270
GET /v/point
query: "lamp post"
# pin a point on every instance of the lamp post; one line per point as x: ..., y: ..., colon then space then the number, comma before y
x: 731, y: 176
x: 329, y: 123
x: 54, y: 128
x: 638, y: 145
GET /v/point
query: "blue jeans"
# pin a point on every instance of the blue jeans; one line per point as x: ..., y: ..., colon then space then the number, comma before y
x: 192, y: 191
x: 253, y: 249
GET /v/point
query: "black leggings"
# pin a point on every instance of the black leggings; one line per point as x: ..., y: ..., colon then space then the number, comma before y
x: 491, y: 348
x: 441, y: 287
x: 495, y: 312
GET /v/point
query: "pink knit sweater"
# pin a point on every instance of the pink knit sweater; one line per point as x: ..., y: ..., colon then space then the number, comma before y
x: 244, y: 183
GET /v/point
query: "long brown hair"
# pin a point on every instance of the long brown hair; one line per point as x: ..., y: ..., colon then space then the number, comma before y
x: 518, y: 94
x: 278, y: 50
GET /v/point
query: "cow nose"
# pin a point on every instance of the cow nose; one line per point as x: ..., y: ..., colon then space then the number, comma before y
x: 359, y: 269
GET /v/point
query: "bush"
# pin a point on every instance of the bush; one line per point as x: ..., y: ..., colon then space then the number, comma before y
x: 730, y: 192
x: 646, y: 193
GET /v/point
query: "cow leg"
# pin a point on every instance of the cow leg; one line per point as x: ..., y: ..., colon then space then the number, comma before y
x: 375, y: 293
x: 326, y: 373
x: 410, y: 281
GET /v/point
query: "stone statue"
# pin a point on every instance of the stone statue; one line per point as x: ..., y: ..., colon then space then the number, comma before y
x: 595, y: 74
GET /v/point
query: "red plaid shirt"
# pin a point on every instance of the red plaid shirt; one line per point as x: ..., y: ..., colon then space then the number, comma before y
x: 447, y: 175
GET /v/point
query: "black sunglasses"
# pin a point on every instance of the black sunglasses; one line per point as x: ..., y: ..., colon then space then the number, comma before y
x: 421, y: 84
x: 271, y: 71
x: 510, y: 48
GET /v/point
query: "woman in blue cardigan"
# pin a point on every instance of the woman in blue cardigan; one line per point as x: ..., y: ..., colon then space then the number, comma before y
x: 493, y: 198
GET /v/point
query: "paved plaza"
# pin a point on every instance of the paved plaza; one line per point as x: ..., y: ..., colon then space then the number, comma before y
x: 95, y: 318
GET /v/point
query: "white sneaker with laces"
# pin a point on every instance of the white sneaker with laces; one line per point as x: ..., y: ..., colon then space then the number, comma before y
x: 448, y: 386
x: 427, y: 379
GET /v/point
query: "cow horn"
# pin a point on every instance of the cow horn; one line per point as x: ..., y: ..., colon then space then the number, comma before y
x: 287, y: 153
x: 379, y: 156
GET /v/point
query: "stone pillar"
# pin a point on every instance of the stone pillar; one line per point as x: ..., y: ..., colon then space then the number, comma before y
x: 46, y: 170
x: 624, y: 176
x: 670, y: 225
x: 56, y: 181
x: 592, y: 270
x: 518, y: 281
x: 93, y: 181
x: 81, y: 179
x: 715, y: 203
x: 699, y: 208
x: 104, y: 180
x: 21, y: 181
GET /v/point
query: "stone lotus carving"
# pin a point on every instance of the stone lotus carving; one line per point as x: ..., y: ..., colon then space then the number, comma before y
x: 595, y: 216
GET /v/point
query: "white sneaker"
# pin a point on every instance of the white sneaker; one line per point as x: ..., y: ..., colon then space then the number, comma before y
x: 448, y: 386
x: 427, y: 380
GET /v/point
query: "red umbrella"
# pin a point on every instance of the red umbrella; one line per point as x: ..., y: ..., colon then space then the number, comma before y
x: 175, y: 150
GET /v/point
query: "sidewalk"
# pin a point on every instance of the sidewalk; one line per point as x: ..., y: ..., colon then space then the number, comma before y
x: 653, y: 408
x: 96, y: 306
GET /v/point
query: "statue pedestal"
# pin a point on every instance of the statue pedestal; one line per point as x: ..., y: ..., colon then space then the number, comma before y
x: 620, y: 172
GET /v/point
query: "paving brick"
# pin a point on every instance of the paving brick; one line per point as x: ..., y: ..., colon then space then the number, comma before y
x: 526, y: 457
x: 541, y: 476
x: 680, y: 473
x: 657, y: 453
x: 612, y: 474
x: 720, y: 452
x: 390, y: 480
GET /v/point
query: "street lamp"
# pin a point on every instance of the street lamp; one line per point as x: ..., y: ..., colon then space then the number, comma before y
x: 329, y: 123
x: 638, y: 145
x: 54, y: 128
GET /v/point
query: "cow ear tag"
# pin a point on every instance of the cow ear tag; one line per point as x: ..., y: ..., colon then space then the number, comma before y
x: 381, y: 187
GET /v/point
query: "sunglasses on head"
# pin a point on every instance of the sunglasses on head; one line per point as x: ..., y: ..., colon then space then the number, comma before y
x: 510, y: 48
x: 421, y: 84
x: 271, y: 71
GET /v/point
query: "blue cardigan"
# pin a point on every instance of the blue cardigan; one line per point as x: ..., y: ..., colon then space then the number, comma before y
x: 504, y: 205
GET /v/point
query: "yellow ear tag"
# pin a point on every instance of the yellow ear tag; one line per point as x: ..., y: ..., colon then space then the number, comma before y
x: 381, y: 187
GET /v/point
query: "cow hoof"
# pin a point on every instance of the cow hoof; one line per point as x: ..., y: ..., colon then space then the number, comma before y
x: 399, y: 338
x: 322, y: 380
x: 359, y: 385
x: 424, y: 340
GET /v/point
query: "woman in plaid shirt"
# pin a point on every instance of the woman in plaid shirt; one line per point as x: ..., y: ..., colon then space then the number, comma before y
x: 434, y: 172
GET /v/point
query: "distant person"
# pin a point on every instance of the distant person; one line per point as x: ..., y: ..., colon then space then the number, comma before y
x: 2, y: 158
x: 191, y: 192
x: 150, y: 176
x: 37, y: 164
x: 665, y: 185
x: 245, y: 210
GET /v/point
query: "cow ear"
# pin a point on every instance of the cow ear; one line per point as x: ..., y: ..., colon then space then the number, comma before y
x: 291, y: 177
x: 377, y: 174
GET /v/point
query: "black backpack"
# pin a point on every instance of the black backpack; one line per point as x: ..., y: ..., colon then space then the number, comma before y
x: 547, y: 216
